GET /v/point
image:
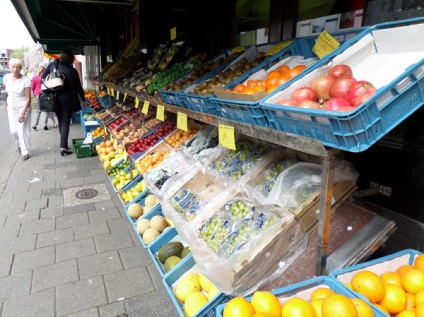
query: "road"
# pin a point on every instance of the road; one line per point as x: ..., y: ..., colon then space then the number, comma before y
x: 8, y: 154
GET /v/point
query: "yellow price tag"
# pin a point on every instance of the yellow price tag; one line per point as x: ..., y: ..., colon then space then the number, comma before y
x: 226, y: 136
x: 160, y: 113
x: 136, y: 102
x: 277, y: 47
x: 325, y: 44
x: 182, y: 121
x: 108, y: 90
x: 125, y: 156
x: 112, y: 92
x: 173, y: 33
x: 117, y: 95
x: 125, y: 96
x: 105, y: 130
x: 145, y: 109
x: 238, y: 49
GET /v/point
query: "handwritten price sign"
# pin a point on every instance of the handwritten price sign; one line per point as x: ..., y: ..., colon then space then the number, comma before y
x: 226, y: 136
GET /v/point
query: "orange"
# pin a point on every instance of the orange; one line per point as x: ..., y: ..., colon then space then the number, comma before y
x: 410, y: 301
x: 317, y: 306
x: 270, y: 82
x: 413, y: 281
x: 419, y: 310
x: 296, y: 306
x: 251, y: 83
x: 395, y: 299
x: 338, y: 305
x: 272, y: 74
x: 283, y: 69
x: 266, y: 302
x: 249, y: 91
x: 406, y: 313
x: 271, y: 89
x: 238, y: 307
x: 258, y: 87
x: 240, y: 88
x: 404, y: 268
x: 262, y: 315
x: 368, y: 284
x: 391, y: 277
x: 295, y: 71
x: 282, y: 80
x: 419, y: 262
x: 362, y: 307
x: 419, y: 298
x: 382, y: 308
x: 348, y: 285
x: 321, y: 293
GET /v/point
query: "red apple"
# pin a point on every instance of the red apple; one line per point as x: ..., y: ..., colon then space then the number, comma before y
x: 303, y: 93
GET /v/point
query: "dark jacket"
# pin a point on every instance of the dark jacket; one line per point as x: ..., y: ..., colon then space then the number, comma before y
x: 67, y: 96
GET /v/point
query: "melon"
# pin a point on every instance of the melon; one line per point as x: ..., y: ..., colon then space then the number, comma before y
x: 194, y: 302
x: 187, y: 284
x: 159, y: 223
x: 142, y: 225
x: 135, y: 210
x: 150, y: 200
x: 147, y: 208
x: 149, y: 235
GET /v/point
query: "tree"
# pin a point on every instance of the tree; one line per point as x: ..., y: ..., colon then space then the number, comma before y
x: 19, y: 53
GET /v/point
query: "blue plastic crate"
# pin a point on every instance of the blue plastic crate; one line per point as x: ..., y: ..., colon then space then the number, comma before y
x: 75, y: 117
x: 241, y: 111
x: 129, y: 186
x: 172, y: 97
x: 107, y: 100
x: 357, y: 130
x: 137, y: 177
x: 140, y: 201
x: 157, y: 244
x: 171, y: 277
x: 200, y: 103
x: 150, y: 215
x: 304, y: 288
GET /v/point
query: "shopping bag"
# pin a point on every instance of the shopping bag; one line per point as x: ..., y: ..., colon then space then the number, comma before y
x: 54, y: 81
x: 48, y: 101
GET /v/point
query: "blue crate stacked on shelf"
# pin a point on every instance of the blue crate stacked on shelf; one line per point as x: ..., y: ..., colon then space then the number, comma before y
x: 396, y: 72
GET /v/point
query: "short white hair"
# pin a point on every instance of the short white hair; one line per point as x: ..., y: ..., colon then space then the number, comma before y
x: 15, y: 61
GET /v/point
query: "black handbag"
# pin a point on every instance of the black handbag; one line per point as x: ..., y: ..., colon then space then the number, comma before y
x: 48, y: 101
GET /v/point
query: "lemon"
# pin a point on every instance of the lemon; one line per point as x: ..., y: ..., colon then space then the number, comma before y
x: 194, y: 302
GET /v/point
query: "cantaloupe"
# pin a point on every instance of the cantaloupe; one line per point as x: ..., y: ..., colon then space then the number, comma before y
x: 146, y: 209
x: 142, y: 225
x: 158, y: 222
x: 149, y: 235
x: 150, y: 200
x: 135, y: 210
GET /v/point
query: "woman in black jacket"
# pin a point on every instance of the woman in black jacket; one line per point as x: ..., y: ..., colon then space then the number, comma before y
x: 68, y: 97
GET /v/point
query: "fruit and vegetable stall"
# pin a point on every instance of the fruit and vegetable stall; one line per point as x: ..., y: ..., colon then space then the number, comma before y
x: 230, y: 172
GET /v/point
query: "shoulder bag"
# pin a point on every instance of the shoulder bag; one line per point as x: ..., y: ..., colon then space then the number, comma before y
x: 48, y: 101
x: 55, y: 80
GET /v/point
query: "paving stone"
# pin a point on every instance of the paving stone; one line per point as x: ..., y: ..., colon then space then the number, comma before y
x: 104, y: 214
x: 134, y: 256
x: 99, y: 264
x: 120, y: 225
x: 77, y: 173
x: 33, y: 305
x: 54, y: 275
x: 43, y: 225
x: 113, y: 241
x: 6, y: 260
x: 71, y: 182
x: 80, y: 295
x: 51, y: 212
x: 92, y: 312
x: 68, y: 169
x: 55, y: 201
x: 91, y: 230
x: 128, y: 283
x: 9, y: 231
x: 55, y: 237
x: 51, y: 192
x: 31, y: 195
x: 54, y: 166
x: 138, y: 305
x: 20, y: 244
x: 54, y: 177
x: 105, y: 204
x: 15, y: 285
x: 155, y: 276
x: 32, y: 259
x: 15, y: 207
x: 78, y: 208
x: 43, y: 185
x: 112, y: 310
x: 71, y: 221
x: 95, y: 179
x: 73, y: 250
x: 23, y: 216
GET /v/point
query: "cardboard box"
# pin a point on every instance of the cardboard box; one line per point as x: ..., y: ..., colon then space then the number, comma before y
x: 308, y: 213
x: 221, y: 93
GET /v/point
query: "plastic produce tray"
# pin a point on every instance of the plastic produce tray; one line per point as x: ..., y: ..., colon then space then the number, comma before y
x: 150, y: 215
x: 107, y: 100
x: 305, y: 288
x: 250, y: 111
x: 157, y: 244
x: 82, y: 150
x: 396, y: 71
x: 133, y: 183
x: 209, y: 309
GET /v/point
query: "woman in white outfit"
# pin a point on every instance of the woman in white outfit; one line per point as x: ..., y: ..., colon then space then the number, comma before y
x: 18, y: 88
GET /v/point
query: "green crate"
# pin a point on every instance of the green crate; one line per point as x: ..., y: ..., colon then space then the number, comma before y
x: 82, y: 150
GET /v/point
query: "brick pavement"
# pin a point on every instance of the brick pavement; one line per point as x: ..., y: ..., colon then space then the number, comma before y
x: 82, y: 260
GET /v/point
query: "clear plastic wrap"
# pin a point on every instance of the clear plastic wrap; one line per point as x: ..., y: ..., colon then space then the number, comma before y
x: 165, y: 179
x: 245, y: 244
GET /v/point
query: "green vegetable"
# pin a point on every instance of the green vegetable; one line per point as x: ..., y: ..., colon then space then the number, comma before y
x: 170, y: 249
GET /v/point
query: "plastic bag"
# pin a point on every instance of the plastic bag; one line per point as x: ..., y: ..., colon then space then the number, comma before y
x: 88, y: 139
x: 204, y: 146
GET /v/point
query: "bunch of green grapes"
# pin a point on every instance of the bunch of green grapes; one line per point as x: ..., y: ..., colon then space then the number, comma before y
x: 215, y: 231
x: 240, y: 209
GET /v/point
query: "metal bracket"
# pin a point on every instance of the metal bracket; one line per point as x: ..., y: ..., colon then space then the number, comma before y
x: 375, y: 188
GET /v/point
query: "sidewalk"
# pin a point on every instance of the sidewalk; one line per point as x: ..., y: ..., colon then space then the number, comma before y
x: 66, y: 253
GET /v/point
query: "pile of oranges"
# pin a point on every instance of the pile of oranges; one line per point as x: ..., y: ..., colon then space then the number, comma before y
x: 398, y: 293
x: 274, y: 79
x: 97, y: 132
x: 323, y: 302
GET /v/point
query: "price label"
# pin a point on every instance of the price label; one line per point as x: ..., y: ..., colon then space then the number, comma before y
x: 145, y: 109
x: 105, y: 131
x: 112, y: 92
x: 325, y: 44
x: 277, y: 47
x: 238, y: 49
x: 226, y: 136
x: 108, y: 90
x: 117, y: 95
x: 182, y: 121
x: 125, y: 156
x: 136, y: 102
x: 160, y: 113
x: 173, y: 33
x: 125, y: 96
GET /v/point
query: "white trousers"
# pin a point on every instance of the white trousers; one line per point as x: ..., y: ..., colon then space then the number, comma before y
x: 20, y: 131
